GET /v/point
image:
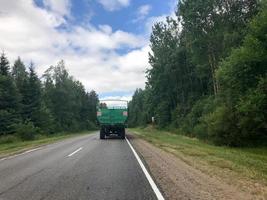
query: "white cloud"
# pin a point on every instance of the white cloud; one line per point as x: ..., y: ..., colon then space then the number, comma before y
x: 111, y: 101
x: 142, y: 12
x: 61, y: 7
x: 112, y: 5
x: 122, y: 97
x: 105, y: 28
x: 93, y: 39
x: 90, y: 53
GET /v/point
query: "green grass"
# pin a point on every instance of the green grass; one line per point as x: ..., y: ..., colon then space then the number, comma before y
x: 12, y: 145
x: 249, y: 163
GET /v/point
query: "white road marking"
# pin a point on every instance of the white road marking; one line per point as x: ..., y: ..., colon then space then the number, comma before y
x: 149, y: 178
x: 25, y: 152
x: 75, y: 152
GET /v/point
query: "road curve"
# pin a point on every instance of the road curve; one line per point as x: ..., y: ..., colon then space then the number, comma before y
x: 83, y: 167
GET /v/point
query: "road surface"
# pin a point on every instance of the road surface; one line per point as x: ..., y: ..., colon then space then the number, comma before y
x: 83, y: 167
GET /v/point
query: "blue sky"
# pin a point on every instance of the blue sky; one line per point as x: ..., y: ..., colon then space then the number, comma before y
x: 104, y: 43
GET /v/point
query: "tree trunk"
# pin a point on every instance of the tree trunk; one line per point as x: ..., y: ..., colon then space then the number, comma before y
x: 212, y: 63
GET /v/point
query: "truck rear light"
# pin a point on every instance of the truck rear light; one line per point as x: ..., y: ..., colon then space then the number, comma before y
x: 98, y: 114
x: 125, y: 113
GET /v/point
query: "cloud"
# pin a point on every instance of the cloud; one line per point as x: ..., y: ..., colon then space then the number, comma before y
x: 61, y: 7
x: 109, y: 100
x: 112, y: 5
x: 122, y: 97
x: 142, y: 12
x: 93, y: 39
x: 90, y: 53
x: 103, y: 59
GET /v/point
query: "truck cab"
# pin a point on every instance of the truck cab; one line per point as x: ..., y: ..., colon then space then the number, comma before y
x: 112, y: 117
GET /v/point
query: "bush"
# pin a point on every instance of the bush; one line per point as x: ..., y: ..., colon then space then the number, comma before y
x: 7, y: 139
x: 252, y: 115
x: 191, y: 123
x: 200, y: 131
x: 163, y: 115
x: 91, y: 126
x: 26, y: 131
x: 242, y: 124
x: 221, y: 127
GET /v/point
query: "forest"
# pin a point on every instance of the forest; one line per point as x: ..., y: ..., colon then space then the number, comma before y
x: 54, y: 103
x: 208, y: 73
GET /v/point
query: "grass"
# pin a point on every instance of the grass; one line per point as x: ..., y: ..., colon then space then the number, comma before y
x: 12, y: 145
x: 248, y: 163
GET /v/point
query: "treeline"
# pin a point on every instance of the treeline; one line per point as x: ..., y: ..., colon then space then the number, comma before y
x: 55, y: 103
x: 208, y: 73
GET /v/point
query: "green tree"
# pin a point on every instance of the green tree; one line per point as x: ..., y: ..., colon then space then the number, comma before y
x: 4, y: 65
x: 92, y: 102
x: 19, y: 74
x: 207, y: 72
x: 137, y: 110
x: 243, y: 78
x: 212, y: 29
x: 9, y: 99
x: 71, y: 106
x: 31, y: 97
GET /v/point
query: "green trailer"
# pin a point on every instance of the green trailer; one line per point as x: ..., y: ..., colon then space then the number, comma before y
x: 112, y: 117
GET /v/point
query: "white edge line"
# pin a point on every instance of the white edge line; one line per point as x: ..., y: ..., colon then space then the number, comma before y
x: 16, y: 155
x: 75, y: 152
x: 149, y: 178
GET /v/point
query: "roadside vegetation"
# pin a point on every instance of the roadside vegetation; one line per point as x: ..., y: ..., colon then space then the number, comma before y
x: 10, y: 144
x: 208, y: 73
x: 227, y: 162
x: 33, y: 108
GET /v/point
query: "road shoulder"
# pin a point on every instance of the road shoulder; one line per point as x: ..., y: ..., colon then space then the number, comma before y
x: 178, y: 180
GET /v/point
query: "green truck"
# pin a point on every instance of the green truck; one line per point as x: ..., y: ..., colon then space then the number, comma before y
x: 112, y: 117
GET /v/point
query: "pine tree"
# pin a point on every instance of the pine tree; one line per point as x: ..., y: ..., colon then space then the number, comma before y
x: 9, y: 99
x: 34, y: 98
x: 19, y: 73
x: 33, y: 105
x: 4, y: 65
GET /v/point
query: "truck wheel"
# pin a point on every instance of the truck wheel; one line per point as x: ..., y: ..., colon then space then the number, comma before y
x: 123, y: 133
x: 102, y: 134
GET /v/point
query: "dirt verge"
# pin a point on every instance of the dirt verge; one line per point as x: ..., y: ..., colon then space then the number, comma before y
x: 178, y: 180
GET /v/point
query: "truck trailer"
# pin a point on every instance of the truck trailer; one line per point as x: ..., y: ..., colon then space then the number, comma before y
x: 112, y: 117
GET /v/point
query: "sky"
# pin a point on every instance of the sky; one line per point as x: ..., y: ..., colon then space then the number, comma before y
x: 104, y: 43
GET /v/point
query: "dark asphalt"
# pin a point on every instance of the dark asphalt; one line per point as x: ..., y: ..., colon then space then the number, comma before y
x: 102, y: 169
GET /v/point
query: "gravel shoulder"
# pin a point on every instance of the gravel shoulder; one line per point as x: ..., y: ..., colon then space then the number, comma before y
x: 178, y: 180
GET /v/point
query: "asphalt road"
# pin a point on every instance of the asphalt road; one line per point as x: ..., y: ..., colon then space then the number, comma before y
x: 83, y: 167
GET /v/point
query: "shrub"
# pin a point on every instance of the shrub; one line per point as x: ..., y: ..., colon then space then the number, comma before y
x: 191, y: 123
x: 252, y: 115
x: 200, y: 131
x: 7, y: 139
x: 221, y: 126
x: 91, y: 126
x: 26, y: 131
x: 163, y: 115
